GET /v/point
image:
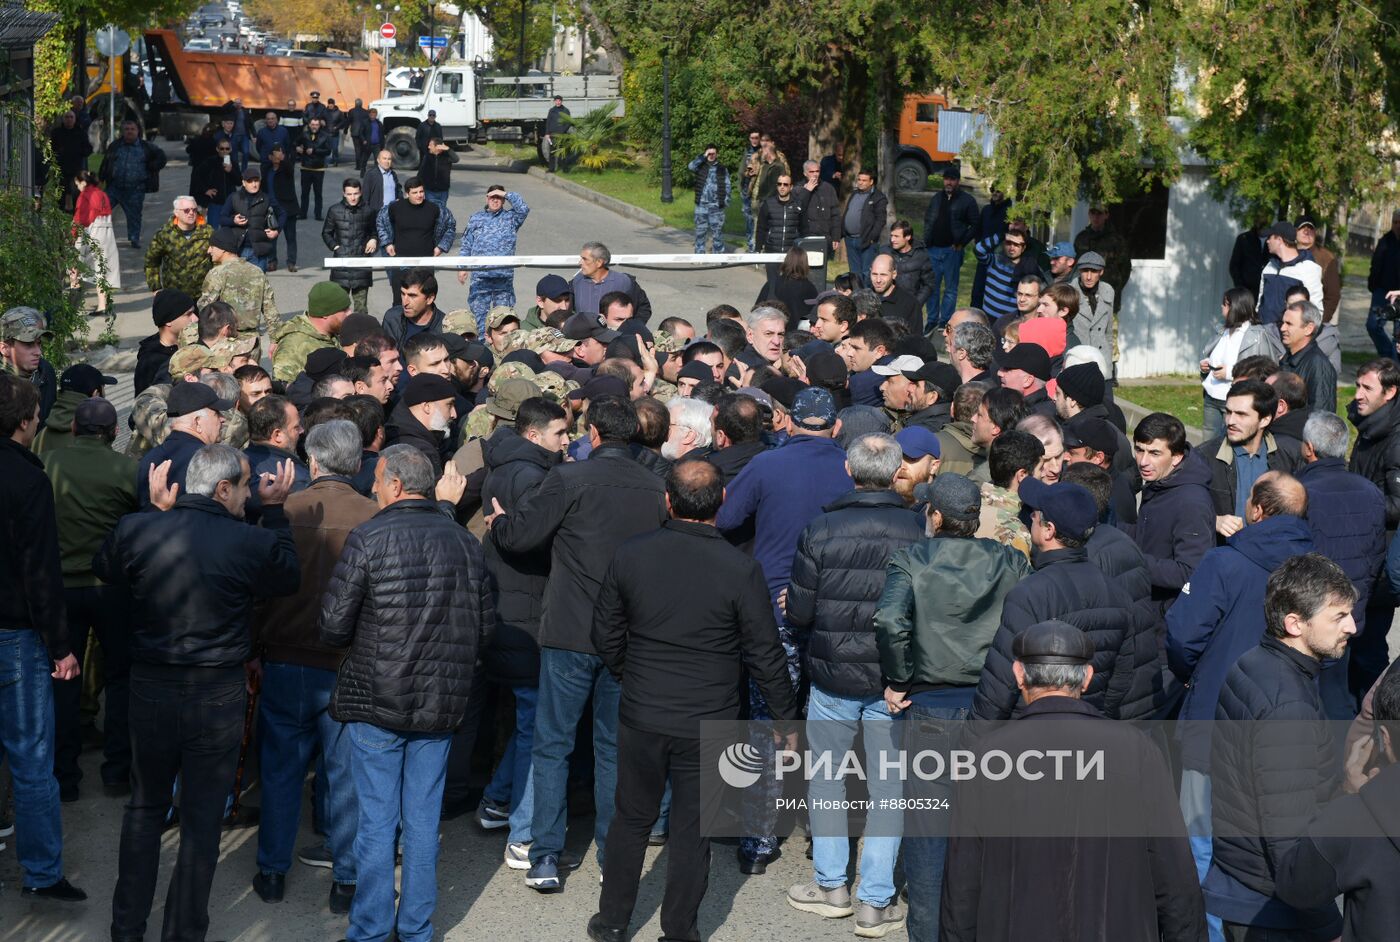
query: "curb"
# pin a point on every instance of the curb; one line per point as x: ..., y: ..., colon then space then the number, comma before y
x: 598, y: 199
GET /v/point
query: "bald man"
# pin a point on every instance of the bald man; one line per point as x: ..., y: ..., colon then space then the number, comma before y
x: 1218, y: 617
x: 896, y: 304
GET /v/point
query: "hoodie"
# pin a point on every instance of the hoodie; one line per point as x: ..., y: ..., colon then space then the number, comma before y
x: 1175, y: 526
x: 152, y: 363
x: 1219, y: 616
x: 58, y: 427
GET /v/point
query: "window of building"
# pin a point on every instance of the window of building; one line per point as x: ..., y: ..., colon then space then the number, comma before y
x: 1143, y: 221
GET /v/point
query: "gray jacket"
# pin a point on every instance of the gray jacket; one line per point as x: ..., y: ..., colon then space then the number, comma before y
x: 1094, y: 323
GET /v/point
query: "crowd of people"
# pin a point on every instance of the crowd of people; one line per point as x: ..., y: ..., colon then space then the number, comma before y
x: 339, y: 544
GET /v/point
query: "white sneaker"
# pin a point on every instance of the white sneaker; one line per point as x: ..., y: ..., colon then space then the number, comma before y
x: 872, y: 923
x: 833, y: 903
x: 518, y: 856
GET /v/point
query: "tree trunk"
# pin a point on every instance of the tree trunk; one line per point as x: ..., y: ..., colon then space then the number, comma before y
x: 853, y: 119
x: 828, y: 108
x: 617, y: 57
x: 889, y: 105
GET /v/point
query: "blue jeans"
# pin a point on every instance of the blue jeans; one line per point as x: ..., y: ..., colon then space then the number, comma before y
x: 860, y: 259
x: 709, y: 224
x: 26, y: 739
x: 1379, y: 328
x: 131, y: 198
x: 214, y: 215
x: 438, y: 198
x: 247, y: 254
x: 932, y: 721
x: 1213, y: 410
x: 293, y: 718
x: 1195, y: 811
x: 398, y: 784
x: 832, y: 721
x: 947, y: 266
x: 514, y: 779
x: 567, y: 678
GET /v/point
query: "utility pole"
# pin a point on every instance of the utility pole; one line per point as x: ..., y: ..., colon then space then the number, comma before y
x: 666, y: 195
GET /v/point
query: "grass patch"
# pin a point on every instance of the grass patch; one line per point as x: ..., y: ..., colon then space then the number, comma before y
x: 1184, y: 401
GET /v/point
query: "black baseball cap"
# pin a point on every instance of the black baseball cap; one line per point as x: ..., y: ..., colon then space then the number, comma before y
x: 553, y: 287
x: 84, y: 378
x: 588, y: 327
x: 189, y: 398
x: 1030, y: 357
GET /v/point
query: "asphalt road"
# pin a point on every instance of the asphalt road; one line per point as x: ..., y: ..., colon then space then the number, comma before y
x: 479, y: 898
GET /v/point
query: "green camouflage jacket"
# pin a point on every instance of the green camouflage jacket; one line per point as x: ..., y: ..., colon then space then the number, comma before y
x: 242, y: 285
x: 296, y: 339
x: 176, y: 260
x: 148, y: 420
x: 1001, y: 519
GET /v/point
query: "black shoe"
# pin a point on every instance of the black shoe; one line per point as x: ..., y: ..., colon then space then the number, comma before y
x: 270, y: 887
x: 272, y: 264
x: 599, y: 931
x: 62, y: 891
x: 341, y: 895
x: 753, y: 866
x: 318, y: 217
x: 657, y: 839
x: 291, y: 268
x: 135, y: 243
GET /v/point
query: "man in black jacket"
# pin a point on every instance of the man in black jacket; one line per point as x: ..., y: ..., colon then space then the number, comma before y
x: 426, y: 410
x: 677, y: 645
x: 950, y: 223
x: 517, y: 460
x: 349, y: 233
x: 581, y: 512
x: 779, y: 219
x: 1301, y: 322
x: 215, y: 179
x: 738, y: 434
x: 313, y: 147
x: 1035, y: 859
x: 838, y: 577
x: 1247, y: 449
x: 33, y: 643
x: 911, y: 261
x: 1273, y: 757
x: 252, y: 216
x: 1376, y: 457
x: 190, y: 644
x: 1064, y: 586
x: 1350, y: 849
x: 357, y: 122
x: 281, y: 187
x: 821, y: 207
x: 863, y: 225
x: 412, y: 600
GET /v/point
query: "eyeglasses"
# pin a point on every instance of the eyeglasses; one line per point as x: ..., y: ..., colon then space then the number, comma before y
x: 1016, y: 242
x: 781, y: 183
x: 185, y: 209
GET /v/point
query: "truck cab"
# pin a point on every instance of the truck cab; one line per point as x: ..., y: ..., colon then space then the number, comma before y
x: 918, y: 155
x: 448, y: 90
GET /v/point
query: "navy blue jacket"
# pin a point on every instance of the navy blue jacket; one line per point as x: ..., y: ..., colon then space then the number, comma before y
x: 264, y: 459
x: 1273, y: 766
x: 178, y: 448
x: 1219, y: 616
x: 1175, y: 526
x: 1346, y: 513
x: 781, y: 491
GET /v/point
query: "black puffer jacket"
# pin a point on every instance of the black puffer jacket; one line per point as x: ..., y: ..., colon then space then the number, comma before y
x: 346, y: 232
x: 779, y: 224
x: 1119, y: 558
x: 1175, y: 527
x: 579, y: 514
x: 1273, y: 764
x: 257, y: 207
x: 194, y: 573
x: 1067, y: 586
x: 411, y: 599
x: 515, y: 466
x: 1376, y: 456
x: 838, y: 577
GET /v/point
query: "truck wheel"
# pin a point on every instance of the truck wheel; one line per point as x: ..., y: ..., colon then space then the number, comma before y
x: 911, y: 174
x: 403, y: 144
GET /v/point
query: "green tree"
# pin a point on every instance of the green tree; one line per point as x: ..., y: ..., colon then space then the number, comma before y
x: 1296, y: 102
x: 1078, y: 93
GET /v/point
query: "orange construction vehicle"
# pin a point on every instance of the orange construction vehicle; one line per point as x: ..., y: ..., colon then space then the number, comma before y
x: 919, y: 155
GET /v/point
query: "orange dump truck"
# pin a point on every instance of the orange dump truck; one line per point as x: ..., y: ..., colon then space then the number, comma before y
x: 203, y: 80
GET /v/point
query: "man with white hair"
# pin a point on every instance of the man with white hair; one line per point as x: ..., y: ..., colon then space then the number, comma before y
x: 691, y: 428
x: 195, y: 421
x: 178, y: 255
x: 190, y: 647
x: 765, y: 327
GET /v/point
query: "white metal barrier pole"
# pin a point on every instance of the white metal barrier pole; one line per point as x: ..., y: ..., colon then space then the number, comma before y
x: 657, y: 262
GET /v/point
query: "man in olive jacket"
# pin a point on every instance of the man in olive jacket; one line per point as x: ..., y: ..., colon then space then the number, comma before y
x: 937, y: 618
x: 411, y: 599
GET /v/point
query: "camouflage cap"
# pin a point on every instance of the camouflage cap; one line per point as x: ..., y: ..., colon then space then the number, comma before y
x: 461, y: 321
x: 665, y: 343
x: 222, y: 352
x: 547, y: 338
x: 509, y: 395
x: 499, y: 314
x: 553, y: 386
x: 190, y: 359
x: 512, y: 370
x: 148, y: 417
x: 24, y: 324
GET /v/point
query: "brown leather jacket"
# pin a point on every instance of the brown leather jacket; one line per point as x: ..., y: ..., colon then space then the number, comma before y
x: 321, y: 516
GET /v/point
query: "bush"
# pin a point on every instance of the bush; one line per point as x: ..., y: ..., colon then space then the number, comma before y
x: 34, y: 269
x: 594, y: 141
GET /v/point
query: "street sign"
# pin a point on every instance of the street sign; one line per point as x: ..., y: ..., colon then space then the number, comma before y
x: 388, y: 43
x: 111, y: 41
x: 436, y: 42
x: 388, y: 31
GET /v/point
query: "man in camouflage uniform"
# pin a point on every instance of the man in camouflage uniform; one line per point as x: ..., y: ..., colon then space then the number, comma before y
x: 327, y: 306
x: 1103, y: 238
x: 1011, y: 459
x: 482, y: 420
x: 178, y: 254
x: 501, y: 322
x: 242, y: 285
x: 188, y: 362
x: 23, y: 332
x: 461, y: 322
x: 492, y: 231
x: 148, y: 419
x: 227, y: 354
